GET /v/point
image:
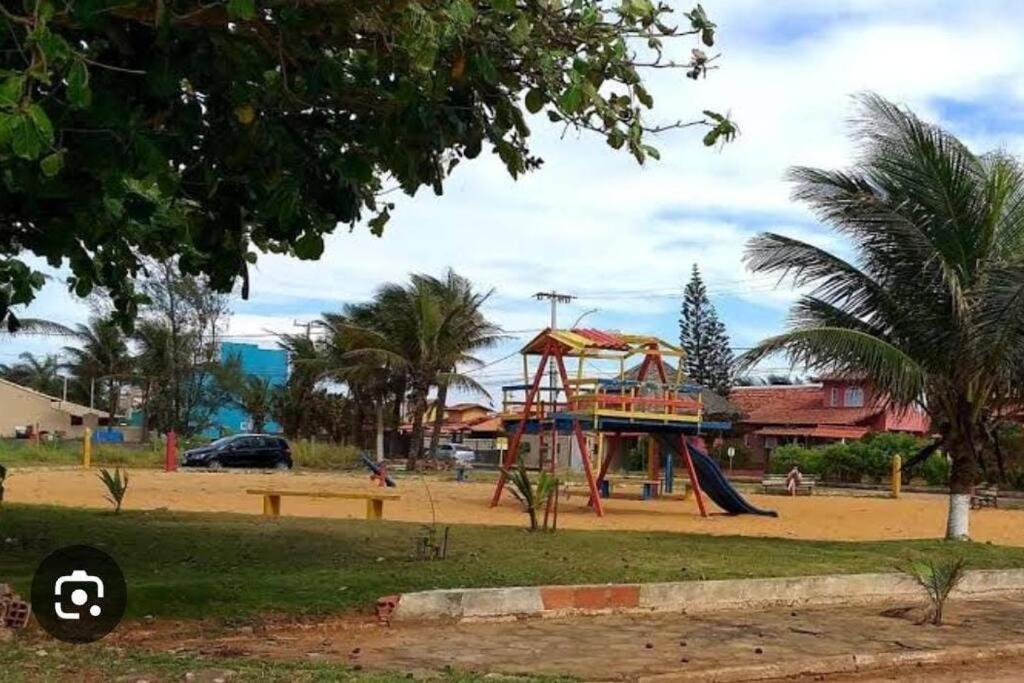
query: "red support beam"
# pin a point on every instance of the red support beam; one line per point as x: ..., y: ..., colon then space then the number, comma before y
x: 513, y: 446
x: 613, y: 448
x: 685, y: 451
x: 595, y: 499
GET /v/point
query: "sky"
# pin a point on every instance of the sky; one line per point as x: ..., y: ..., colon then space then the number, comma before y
x: 623, y: 237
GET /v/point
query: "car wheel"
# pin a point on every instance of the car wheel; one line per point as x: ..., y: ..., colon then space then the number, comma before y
x: 282, y: 465
x: 215, y: 464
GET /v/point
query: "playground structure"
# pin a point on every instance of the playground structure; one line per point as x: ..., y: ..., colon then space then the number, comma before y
x: 643, y: 401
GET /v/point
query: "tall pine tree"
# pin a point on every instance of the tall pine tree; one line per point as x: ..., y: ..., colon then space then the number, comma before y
x: 702, y: 335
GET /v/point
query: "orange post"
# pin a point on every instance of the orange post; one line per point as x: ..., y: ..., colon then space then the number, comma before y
x: 581, y: 441
x: 171, y: 453
x: 685, y: 450
x: 513, y: 445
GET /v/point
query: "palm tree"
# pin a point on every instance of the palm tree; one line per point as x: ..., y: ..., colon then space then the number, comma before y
x: 290, y: 402
x: 256, y: 397
x: 931, y: 307
x: 101, y: 357
x: 371, y: 376
x: 422, y: 334
x: 154, y: 368
x: 41, y: 374
x: 467, y: 331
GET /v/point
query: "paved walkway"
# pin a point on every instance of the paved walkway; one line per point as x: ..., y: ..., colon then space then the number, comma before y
x: 628, y: 648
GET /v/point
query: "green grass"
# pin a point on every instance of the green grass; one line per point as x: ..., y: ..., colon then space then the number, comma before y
x: 235, y: 566
x: 25, y: 453
x: 324, y: 456
x: 21, y: 663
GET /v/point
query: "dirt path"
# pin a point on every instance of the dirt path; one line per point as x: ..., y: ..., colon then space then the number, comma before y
x: 809, y: 517
x: 616, y: 647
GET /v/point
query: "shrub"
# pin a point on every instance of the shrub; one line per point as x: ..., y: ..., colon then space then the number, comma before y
x: 809, y: 460
x: 117, y: 486
x: 324, y: 456
x: 935, y: 470
x: 531, y: 497
x: 633, y: 461
x: 870, y: 458
x: 938, y: 578
x: 744, y: 455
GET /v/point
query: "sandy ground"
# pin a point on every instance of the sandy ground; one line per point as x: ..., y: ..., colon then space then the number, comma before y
x: 809, y: 517
x: 609, y: 647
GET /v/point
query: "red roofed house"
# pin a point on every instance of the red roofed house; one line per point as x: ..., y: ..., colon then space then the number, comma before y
x: 472, y: 424
x: 837, y: 409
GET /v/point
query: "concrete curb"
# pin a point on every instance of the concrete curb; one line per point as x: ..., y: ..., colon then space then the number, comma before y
x: 841, y: 664
x: 691, y: 597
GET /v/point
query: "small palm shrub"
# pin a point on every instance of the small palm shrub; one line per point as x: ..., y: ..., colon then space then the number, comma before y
x: 938, y: 578
x: 532, y: 497
x: 117, y: 486
x: 935, y: 470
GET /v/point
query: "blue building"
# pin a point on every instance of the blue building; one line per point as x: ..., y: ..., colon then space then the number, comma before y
x: 269, y: 363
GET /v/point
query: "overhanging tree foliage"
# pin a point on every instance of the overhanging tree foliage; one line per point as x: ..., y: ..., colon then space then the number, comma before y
x: 931, y: 307
x: 211, y: 130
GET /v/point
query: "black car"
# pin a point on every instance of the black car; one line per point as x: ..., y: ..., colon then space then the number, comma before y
x: 241, y: 450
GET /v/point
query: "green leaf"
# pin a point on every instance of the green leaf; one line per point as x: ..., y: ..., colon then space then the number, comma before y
x: 462, y: 12
x: 616, y: 139
x: 485, y: 67
x: 25, y: 141
x: 7, y: 123
x: 644, y: 96
x: 242, y: 9
x: 572, y: 99
x: 503, y: 5
x: 79, y: 94
x: 51, y: 164
x: 534, y: 100
x: 11, y: 89
x: 41, y: 122
x: 310, y: 246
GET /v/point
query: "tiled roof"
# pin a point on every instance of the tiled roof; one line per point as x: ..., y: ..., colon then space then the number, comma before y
x: 467, y: 406
x: 489, y: 424
x: 826, y: 432
x: 795, y: 405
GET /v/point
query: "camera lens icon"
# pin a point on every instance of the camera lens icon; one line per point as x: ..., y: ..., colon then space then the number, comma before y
x: 79, y: 594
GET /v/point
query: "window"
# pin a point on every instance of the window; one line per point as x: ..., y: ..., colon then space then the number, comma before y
x: 77, y: 421
x: 854, y: 397
x: 835, y: 397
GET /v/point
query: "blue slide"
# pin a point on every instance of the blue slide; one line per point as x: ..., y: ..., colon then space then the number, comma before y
x: 714, y: 483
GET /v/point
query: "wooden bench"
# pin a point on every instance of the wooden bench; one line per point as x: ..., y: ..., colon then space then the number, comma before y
x: 985, y: 497
x: 776, y: 483
x: 374, y: 500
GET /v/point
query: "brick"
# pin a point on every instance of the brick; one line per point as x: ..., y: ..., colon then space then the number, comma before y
x: 558, y: 597
x: 607, y: 597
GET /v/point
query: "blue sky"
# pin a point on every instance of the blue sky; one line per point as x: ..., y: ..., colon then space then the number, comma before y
x: 622, y: 237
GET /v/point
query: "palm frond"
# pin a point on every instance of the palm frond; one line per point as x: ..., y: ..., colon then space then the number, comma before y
x: 833, y: 349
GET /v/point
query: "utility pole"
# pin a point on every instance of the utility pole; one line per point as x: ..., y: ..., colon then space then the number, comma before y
x: 555, y: 298
x: 308, y: 325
